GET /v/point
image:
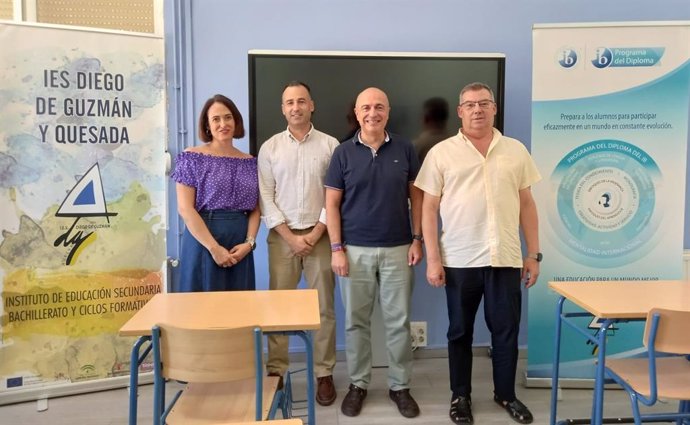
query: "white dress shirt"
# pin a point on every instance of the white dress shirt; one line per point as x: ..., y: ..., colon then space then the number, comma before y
x: 291, y: 174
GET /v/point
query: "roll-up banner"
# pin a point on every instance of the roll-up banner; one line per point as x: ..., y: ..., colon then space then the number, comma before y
x: 609, y: 134
x: 82, y: 201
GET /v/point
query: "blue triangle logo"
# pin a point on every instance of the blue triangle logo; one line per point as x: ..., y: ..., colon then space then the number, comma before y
x: 86, y: 197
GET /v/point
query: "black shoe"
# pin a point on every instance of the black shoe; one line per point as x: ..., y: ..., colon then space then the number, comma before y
x: 352, y: 403
x: 517, y: 411
x: 461, y: 410
x: 406, y: 404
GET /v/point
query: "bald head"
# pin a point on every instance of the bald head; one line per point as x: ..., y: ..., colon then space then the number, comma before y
x: 372, y: 109
x: 371, y: 92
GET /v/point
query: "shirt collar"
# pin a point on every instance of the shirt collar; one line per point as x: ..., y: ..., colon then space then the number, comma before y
x: 495, y: 138
x: 358, y: 138
x: 306, y: 136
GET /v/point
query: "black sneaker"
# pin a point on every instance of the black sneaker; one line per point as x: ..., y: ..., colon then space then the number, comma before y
x: 352, y: 403
x: 406, y: 404
x: 461, y: 410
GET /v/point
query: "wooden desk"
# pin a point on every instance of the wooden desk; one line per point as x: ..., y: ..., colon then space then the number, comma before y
x: 289, y: 311
x: 612, y: 302
x: 625, y: 300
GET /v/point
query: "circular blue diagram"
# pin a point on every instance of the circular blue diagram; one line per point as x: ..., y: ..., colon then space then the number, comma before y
x: 605, y: 202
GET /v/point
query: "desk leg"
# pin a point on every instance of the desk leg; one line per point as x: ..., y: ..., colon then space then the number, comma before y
x: 598, y: 402
x: 556, y: 361
x: 135, y: 361
x: 311, y: 410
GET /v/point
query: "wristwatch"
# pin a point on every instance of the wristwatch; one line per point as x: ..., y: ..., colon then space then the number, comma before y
x: 536, y: 256
x: 251, y: 241
x: 419, y: 238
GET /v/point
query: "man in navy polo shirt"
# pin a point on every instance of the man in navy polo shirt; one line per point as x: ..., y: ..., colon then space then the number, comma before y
x: 368, y: 184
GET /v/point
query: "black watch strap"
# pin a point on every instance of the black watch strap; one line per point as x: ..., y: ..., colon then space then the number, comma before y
x: 536, y: 256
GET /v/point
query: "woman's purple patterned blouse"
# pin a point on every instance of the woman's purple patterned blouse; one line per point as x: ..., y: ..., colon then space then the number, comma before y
x: 221, y: 183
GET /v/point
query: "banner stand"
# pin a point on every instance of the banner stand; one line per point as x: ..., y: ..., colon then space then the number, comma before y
x: 82, y: 203
x: 609, y: 134
x: 68, y: 389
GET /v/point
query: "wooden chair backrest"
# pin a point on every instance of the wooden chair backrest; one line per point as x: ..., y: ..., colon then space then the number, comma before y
x: 208, y: 355
x: 673, y: 332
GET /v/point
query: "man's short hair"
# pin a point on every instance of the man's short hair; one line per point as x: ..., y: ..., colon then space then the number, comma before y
x: 296, y: 83
x: 476, y: 86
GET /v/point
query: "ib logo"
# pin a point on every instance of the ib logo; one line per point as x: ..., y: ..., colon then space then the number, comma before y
x: 567, y: 57
x: 602, y: 57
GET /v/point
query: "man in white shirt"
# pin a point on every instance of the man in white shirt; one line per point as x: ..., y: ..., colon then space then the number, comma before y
x: 292, y: 165
x: 479, y: 181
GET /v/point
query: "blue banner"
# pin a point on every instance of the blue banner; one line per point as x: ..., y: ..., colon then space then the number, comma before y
x: 609, y: 134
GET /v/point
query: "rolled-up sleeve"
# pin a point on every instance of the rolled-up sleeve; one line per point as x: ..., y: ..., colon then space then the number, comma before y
x: 271, y: 215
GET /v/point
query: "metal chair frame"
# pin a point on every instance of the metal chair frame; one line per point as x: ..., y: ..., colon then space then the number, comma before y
x: 656, y: 362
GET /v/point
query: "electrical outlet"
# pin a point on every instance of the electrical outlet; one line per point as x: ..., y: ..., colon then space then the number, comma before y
x: 418, y: 333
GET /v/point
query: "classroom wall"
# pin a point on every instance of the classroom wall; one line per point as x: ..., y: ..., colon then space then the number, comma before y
x: 207, y: 44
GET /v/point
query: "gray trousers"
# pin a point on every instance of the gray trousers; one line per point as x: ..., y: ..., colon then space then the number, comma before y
x: 384, y: 271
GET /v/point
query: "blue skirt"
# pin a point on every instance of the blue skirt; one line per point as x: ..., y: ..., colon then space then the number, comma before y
x: 198, y: 271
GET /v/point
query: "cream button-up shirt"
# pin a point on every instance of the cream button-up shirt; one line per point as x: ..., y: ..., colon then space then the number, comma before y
x: 480, y: 202
x: 291, y: 174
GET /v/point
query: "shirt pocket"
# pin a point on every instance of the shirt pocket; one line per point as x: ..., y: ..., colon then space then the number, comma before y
x: 317, y: 165
x: 508, y: 172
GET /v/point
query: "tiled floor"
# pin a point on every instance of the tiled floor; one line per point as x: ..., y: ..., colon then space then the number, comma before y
x: 429, y: 387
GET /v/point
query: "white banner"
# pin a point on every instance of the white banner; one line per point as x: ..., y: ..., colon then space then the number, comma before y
x: 610, y: 134
x: 82, y: 199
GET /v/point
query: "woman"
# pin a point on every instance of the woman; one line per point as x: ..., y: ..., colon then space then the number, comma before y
x: 217, y: 197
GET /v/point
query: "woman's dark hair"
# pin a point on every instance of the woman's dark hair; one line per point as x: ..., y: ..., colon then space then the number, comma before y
x: 205, y: 130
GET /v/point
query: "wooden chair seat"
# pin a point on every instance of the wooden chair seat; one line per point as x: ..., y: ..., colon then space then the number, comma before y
x: 222, y: 402
x: 672, y: 375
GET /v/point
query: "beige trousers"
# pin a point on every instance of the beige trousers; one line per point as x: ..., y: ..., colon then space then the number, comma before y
x: 285, y: 272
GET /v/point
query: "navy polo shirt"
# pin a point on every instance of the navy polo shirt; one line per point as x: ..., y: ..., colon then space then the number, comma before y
x: 374, y: 209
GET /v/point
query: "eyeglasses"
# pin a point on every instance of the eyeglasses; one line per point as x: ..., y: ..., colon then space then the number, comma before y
x: 483, y: 104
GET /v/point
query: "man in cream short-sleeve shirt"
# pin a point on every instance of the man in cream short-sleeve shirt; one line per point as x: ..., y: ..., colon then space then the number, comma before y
x: 479, y: 182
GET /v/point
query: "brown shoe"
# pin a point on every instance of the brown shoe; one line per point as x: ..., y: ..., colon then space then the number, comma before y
x: 352, y: 403
x: 325, y: 390
x: 406, y: 404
